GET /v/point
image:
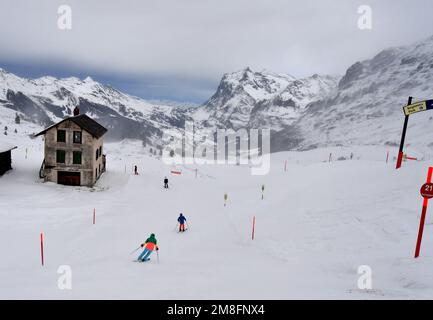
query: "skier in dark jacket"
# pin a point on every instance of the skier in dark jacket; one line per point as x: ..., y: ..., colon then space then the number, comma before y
x: 181, y: 221
x: 149, y: 246
x: 165, y: 183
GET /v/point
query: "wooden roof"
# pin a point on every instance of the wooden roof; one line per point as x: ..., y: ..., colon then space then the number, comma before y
x: 84, y: 122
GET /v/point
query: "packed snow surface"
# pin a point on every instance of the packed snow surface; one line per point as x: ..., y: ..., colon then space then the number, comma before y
x: 317, y: 224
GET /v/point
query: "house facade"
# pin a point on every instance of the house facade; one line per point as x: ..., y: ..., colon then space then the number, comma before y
x: 74, y: 152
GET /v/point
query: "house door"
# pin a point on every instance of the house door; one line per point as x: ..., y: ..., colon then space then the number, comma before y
x: 69, y: 178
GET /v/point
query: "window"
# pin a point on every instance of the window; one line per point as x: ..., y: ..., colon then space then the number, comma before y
x: 60, y: 156
x: 77, y: 136
x: 61, y: 136
x: 97, y: 154
x: 100, y: 151
x: 76, y: 157
x: 96, y: 173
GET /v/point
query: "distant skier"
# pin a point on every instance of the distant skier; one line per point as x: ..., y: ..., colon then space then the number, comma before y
x: 181, y: 221
x: 136, y: 170
x: 149, y: 246
x: 165, y: 183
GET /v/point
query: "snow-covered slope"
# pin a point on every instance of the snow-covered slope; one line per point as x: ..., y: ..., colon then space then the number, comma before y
x: 313, y: 229
x: 367, y: 108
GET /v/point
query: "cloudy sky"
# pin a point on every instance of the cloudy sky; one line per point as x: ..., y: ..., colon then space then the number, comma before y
x: 179, y: 49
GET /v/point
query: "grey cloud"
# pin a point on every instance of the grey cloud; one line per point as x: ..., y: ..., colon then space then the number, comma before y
x: 199, y: 40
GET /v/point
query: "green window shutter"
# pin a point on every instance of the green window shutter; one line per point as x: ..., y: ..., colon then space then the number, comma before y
x: 61, y: 136
x: 60, y: 156
x: 76, y: 157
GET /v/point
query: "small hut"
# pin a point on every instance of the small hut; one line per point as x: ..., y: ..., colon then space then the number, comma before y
x: 5, y: 157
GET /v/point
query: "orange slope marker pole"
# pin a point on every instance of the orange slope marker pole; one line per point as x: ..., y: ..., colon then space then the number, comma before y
x: 254, y: 227
x: 42, y: 249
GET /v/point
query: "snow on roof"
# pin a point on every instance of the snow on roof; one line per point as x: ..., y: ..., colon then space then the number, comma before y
x: 6, y: 147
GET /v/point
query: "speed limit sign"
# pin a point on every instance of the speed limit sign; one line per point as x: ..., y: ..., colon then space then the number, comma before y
x: 427, y: 190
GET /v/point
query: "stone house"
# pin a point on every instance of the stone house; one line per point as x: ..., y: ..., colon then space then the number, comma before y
x: 73, y: 151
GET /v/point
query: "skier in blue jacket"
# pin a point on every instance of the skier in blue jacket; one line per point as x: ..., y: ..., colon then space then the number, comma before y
x: 181, y: 221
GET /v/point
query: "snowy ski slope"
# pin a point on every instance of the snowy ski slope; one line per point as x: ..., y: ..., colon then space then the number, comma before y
x: 317, y: 224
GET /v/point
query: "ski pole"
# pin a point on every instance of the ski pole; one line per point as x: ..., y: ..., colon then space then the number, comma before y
x: 157, y: 255
x: 135, y: 250
x: 175, y: 228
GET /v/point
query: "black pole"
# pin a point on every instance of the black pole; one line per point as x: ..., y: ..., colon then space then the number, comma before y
x: 403, y: 136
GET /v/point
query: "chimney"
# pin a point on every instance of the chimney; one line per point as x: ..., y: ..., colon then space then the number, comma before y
x: 76, y: 111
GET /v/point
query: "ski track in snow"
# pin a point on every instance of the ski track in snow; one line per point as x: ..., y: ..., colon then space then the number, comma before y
x: 317, y: 224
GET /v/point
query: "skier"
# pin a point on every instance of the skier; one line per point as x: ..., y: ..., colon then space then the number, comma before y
x: 165, y: 183
x: 149, y: 246
x: 136, y: 170
x: 181, y: 221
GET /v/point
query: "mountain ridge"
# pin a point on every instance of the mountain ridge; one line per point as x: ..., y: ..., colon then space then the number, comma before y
x: 362, y: 107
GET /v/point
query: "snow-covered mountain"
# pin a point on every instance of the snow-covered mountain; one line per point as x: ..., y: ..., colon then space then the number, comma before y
x: 248, y: 99
x: 364, y: 107
x: 244, y: 99
x: 46, y: 100
x: 367, y: 107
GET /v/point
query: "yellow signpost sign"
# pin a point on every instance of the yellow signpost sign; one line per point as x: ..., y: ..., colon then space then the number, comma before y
x: 414, y: 108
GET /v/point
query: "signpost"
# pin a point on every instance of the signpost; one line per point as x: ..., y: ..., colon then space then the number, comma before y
x: 409, y: 109
x: 418, y: 107
x: 427, y: 190
x: 427, y: 193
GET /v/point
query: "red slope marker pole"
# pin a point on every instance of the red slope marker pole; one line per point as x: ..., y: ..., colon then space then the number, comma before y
x: 42, y: 249
x: 94, y: 216
x: 254, y: 227
x: 423, y: 214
